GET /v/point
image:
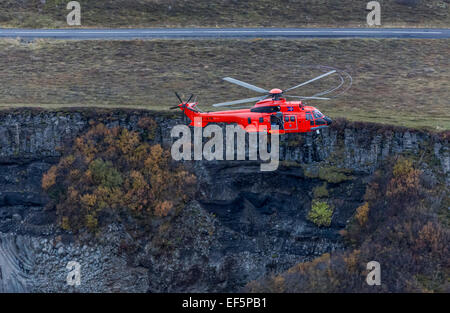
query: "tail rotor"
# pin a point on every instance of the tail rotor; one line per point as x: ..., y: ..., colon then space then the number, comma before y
x: 182, y: 104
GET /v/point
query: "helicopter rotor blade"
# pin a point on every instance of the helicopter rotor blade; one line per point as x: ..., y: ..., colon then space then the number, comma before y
x: 245, y: 85
x: 183, y: 104
x: 178, y: 96
x: 308, y: 98
x: 239, y: 101
x: 176, y: 106
x: 192, y: 95
x: 311, y: 80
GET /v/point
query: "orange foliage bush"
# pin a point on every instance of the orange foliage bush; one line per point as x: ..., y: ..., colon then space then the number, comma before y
x: 362, y: 214
x: 149, y: 125
x: 49, y: 178
x: 109, y: 171
x: 395, y: 226
x: 432, y: 239
x: 404, y: 186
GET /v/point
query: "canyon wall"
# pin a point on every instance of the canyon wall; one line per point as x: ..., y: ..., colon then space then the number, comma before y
x: 242, y: 225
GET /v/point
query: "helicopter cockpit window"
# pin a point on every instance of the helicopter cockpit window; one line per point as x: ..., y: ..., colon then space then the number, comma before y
x: 317, y: 114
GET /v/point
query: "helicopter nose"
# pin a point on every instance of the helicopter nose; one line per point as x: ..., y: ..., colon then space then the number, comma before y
x: 328, y: 120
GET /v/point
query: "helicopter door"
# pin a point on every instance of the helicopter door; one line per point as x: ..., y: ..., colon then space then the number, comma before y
x: 290, y: 122
x: 309, y: 118
x: 277, y: 120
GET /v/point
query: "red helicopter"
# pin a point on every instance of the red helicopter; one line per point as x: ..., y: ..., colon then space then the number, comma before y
x: 270, y: 110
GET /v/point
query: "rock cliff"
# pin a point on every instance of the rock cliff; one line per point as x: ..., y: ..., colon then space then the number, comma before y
x: 243, y: 224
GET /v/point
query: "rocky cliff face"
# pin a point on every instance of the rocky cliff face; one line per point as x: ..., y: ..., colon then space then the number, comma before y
x: 243, y: 224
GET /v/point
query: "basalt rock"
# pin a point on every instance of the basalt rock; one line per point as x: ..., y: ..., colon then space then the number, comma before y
x: 242, y: 225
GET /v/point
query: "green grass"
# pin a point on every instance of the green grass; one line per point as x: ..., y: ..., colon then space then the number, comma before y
x: 399, y: 82
x: 330, y: 174
x: 321, y: 191
x: 224, y: 13
x: 321, y: 213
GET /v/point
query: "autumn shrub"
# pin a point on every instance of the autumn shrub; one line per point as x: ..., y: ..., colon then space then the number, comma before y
x: 318, y: 275
x: 362, y: 214
x: 104, y: 174
x: 149, y: 127
x: 397, y: 226
x: 404, y: 185
x: 109, y: 172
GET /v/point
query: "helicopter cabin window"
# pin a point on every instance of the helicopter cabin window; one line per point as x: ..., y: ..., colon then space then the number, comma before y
x: 249, y: 120
x: 261, y: 120
x: 317, y: 114
x: 308, y: 117
x: 320, y: 121
x: 292, y: 118
x: 286, y: 118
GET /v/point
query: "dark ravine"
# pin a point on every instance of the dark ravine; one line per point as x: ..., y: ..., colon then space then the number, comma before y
x: 243, y: 224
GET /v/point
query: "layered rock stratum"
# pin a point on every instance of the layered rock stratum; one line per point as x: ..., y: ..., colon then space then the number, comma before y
x: 243, y: 224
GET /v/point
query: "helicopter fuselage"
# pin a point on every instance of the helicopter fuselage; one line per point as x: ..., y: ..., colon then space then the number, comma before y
x: 270, y: 115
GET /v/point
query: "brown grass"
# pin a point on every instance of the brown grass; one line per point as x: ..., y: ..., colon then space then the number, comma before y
x: 225, y: 13
x: 402, y: 82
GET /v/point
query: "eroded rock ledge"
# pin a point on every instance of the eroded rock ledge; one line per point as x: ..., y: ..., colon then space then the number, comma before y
x: 243, y: 224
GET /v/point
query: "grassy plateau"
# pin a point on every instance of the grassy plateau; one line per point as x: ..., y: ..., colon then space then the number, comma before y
x: 224, y: 13
x: 400, y: 82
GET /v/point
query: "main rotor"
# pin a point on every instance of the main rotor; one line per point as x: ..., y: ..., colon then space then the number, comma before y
x: 275, y: 93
